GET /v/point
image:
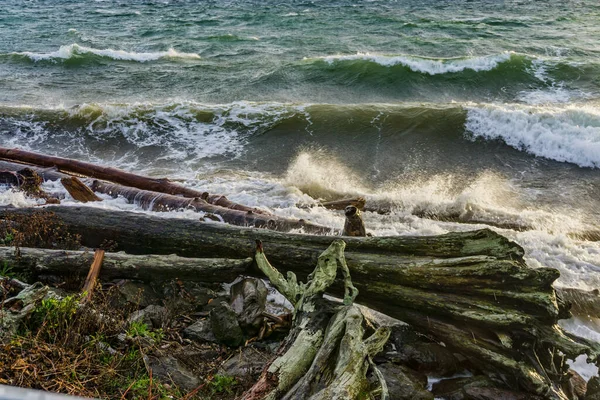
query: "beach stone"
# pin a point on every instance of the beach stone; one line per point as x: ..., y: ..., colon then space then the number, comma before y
x: 168, y: 369
x: 453, y: 388
x: 248, y: 301
x: 409, y: 348
x: 490, y: 393
x: 247, y: 364
x: 225, y: 326
x: 402, y: 382
x: 200, y: 330
x: 137, y: 293
x: 153, y: 316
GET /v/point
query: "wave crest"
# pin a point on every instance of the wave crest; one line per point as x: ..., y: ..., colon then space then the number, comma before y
x: 566, y: 134
x: 74, y: 50
x: 425, y: 65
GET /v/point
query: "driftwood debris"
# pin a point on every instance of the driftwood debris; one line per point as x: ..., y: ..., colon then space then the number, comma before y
x: 78, y: 190
x: 325, y: 355
x: 469, y: 290
x: 213, y: 205
x: 118, y: 176
x: 90, y: 281
x: 155, y: 201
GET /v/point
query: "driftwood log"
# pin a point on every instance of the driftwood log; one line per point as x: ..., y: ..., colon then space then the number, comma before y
x: 325, y: 356
x: 147, y: 268
x: 470, y: 290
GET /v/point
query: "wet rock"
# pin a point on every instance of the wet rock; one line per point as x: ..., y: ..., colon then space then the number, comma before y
x: 452, y: 389
x: 403, y: 383
x: 200, y: 330
x: 153, y: 316
x: 170, y: 369
x: 409, y: 348
x: 593, y: 389
x: 248, y: 300
x: 247, y: 364
x: 225, y: 326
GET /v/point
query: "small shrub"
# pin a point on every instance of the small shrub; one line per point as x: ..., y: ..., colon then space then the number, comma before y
x: 222, y: 384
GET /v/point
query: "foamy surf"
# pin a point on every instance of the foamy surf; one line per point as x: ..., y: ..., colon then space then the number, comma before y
x: 425, y: 65
x: 567, y: 134
x: 74, y: 50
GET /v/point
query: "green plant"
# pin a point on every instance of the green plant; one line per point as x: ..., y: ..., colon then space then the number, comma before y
x: 55, y: 315
x: 222, y: 384
x: 141, y: 329
x: 6, y: 270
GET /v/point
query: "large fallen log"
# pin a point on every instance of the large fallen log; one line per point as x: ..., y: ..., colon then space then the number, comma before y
x: 469, y: 290
x: 147, y: 268
x: 111, y: 174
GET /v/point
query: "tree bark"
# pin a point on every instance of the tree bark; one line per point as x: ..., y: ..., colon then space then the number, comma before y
x: 147, y: 268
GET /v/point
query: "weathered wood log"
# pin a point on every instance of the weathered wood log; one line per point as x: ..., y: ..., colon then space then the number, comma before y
x: 147, y: 268
x: 111, y: 174
x: 78, y: 190
x: 156, y: 201
x: 324, y: 357
x: 500, y: 311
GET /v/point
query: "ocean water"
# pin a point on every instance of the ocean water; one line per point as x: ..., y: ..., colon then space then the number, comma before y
x: 452, y: 115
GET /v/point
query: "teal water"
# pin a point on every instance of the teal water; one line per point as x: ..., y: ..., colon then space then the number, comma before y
x: 225, y: 51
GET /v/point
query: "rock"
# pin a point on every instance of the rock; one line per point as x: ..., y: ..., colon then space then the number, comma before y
x: 153, y: 316
x: 488, y: 393
x: 452, y: 389
x: 168, y: 369
x: 188, y: 295
x: 137, y: 293
x: 403, y: 383
x: 593, y: 389
x: 409, y: 348
x: 200, y: 330
x: 246, y: 365
x: 225, y: 326
x: 248, y: 300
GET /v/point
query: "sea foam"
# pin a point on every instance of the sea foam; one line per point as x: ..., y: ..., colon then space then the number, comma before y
x: 426, y: 65
x: 74, y: 50
x: 567, y: 134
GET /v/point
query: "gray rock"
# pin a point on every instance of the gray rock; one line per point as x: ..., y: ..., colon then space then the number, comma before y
x: 246, y: 365
x: 137, y: 293
x: 200, y: 330
x: 409, y: 348
x: 488, y: 393
x: 225, y: 326
x: 248, y: 300
x: 403, y: 383
x: 153, y: 316
x: 452, y: 389
x: 168, y: 369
